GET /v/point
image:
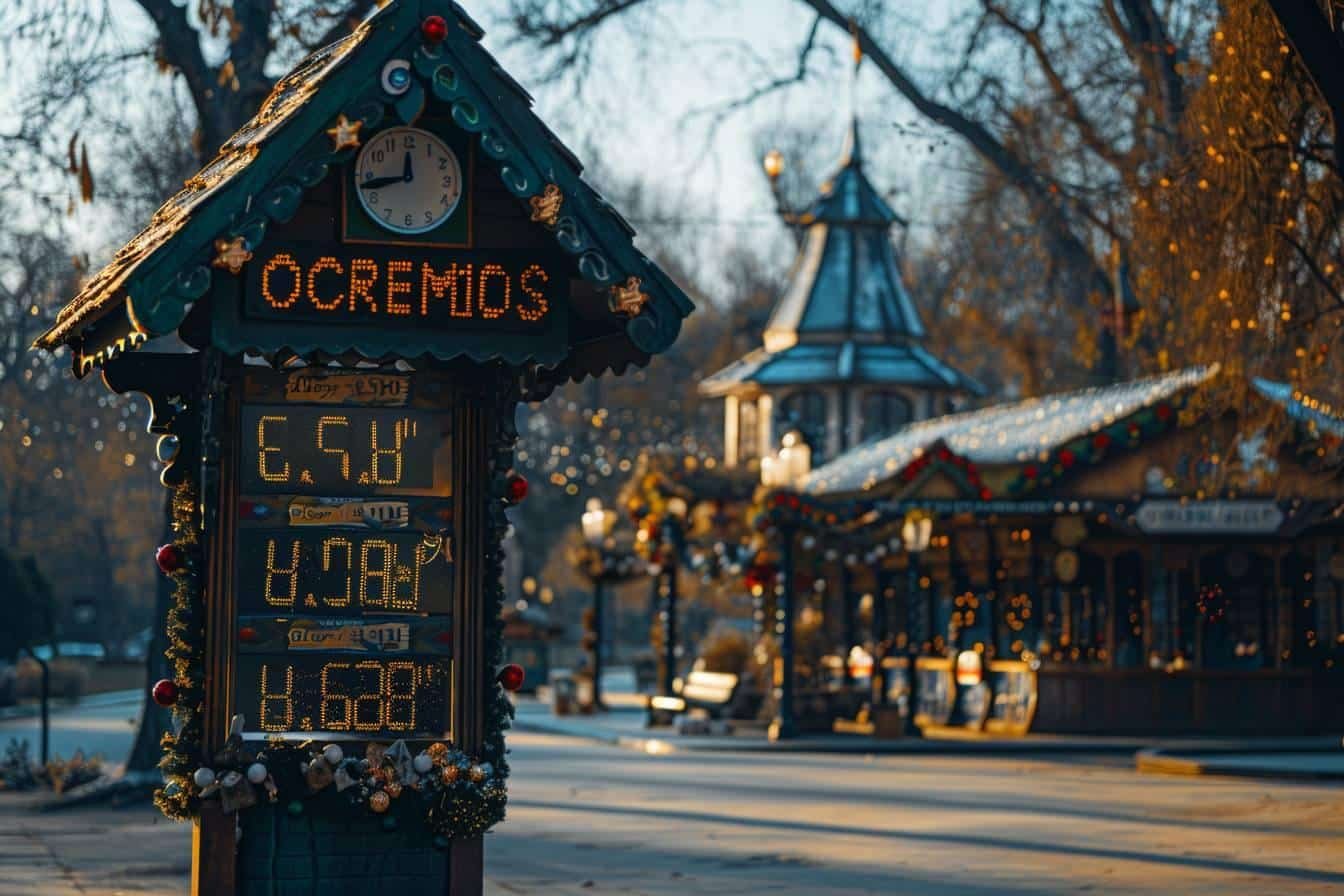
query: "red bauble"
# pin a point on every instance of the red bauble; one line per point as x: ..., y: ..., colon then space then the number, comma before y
x: 170, y: 559
x: 1101, y: 441
x: 247, y: 634
x: 1066, y: 458
x: 435, y: 29
x: 517, y: 489
x: 1030, y: 471
x: 512, y: 677
x: 164, y: 692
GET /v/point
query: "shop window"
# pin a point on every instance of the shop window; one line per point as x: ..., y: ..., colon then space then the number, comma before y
x: 882, y: 413
x: 748, y: 430
x: 1130, y: 610
x: 806, y: 412
x: 1233, y: 609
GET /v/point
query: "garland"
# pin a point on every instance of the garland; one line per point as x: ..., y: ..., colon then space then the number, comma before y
x: 182, y: 746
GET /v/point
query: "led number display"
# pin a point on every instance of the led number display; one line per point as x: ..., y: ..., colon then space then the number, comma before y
x: 505, y: 290
x: 294, y: 449
x: 401, y: 697
x: 344, y: 572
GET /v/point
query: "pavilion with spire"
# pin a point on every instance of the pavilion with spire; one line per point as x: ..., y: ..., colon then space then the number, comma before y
x: 843, y: 360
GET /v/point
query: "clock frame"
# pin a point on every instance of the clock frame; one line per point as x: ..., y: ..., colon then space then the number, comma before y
x: 454, y: 232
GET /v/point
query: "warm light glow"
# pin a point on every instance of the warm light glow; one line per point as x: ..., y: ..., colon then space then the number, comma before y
x: 773, y: 164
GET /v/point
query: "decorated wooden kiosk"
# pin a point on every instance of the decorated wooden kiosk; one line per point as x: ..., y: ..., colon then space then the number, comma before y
x: 334, y: 322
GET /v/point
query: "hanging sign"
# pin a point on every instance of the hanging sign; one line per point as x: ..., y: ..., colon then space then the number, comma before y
x: 1160, y: 517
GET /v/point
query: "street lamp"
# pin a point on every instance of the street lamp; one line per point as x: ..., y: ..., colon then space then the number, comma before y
x: 788, y: 469
x: 597, y: 523
x: 916, y: 534
x: 673, y: 536
x: 773, y: 163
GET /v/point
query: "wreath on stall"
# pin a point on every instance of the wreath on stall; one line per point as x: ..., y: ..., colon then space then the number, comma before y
x: 459, y: 796
x: 1211, y: 603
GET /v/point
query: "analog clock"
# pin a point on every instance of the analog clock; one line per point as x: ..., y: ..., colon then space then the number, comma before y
x: 408, y: 180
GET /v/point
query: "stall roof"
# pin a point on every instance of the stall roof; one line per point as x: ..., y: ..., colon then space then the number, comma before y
x: 1314, y: 413
x: 1003, y: 435
x: 152, y: 282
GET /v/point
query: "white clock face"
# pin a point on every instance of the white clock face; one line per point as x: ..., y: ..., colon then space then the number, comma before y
x: 408, y: 180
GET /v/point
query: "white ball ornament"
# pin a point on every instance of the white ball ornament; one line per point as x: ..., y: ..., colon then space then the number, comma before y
x: 256, y: 773
x: 333, y: 753
x: 422, y: 763
x: 204, y: 777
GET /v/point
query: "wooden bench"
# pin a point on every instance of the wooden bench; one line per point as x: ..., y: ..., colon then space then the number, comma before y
x: 711, y: 693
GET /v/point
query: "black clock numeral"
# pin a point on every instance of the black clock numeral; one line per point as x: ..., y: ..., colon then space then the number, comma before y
x: 444, y: 200
x: 409, y: 221
x: 391, y: 144
x: 379, y: 155
x: 443, y: 164
x: 409, y: 142
x: 387, y: 214
x: 429, y: 218
x: 448, y: 182
x: 373, y: 198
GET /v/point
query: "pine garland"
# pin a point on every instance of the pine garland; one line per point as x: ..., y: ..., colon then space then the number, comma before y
x: 179, y: 798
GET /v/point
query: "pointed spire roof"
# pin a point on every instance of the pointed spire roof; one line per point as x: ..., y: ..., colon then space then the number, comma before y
x: 846, y: 282
x: 845, y: 315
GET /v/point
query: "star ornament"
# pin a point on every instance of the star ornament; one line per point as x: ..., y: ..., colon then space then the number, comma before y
x: 232, y: 254
x: 627, y: 298
x: 546, y: 207
x: 346, y: 134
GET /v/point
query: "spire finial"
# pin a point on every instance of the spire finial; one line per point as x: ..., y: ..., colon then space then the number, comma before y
x: 853, y: 153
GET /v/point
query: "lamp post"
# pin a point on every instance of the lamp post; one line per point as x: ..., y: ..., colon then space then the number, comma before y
x: 673, y: 542
x: 597, y: 523
x: 916, y: 533
x: 786, y: 470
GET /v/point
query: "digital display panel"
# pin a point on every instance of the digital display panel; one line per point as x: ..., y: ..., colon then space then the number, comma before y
x: 402, y: 286
x: 344, y: 572
x: 297, y: 449
x: 401, y: 697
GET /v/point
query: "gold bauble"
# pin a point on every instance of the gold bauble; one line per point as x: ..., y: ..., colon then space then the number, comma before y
x: 393, y: 789
x: 451, y: 774
x: 477, y: 774
x: 379, y: 801
x: 438, y: 752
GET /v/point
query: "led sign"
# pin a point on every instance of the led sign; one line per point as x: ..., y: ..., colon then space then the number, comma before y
x: 398, y: 286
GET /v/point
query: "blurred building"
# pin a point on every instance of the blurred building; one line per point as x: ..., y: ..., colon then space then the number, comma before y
x: 843, y: 359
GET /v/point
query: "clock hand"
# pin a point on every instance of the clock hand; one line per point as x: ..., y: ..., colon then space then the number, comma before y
x: 378, y: 183
x: 407, y: 172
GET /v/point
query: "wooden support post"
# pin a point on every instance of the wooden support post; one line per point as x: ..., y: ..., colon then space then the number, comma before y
x: 1111, y: 608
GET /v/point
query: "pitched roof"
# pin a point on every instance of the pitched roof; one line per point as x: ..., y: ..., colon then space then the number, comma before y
x: 1005, y: 434
x: 1316, y: 415
x: 257, y: 179
x: 834, y: 362
x: 845, y: 314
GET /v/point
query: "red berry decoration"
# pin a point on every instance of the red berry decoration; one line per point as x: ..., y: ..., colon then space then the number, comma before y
x: 170, y: 559
x: 435, y: 29
x: 164, y: 692
x: 517, y: 489
x: 512, y: 677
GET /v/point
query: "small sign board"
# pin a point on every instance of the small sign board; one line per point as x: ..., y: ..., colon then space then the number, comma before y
x: 1167, y: 517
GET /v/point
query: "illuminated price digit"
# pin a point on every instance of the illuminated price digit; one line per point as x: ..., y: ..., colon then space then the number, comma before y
x: 381, y: 572
x: 343, y: 454
x: 401, y: 430
x: 337, y: 709
x: 291, y: 573
x: 264, y: 468
x: 401, y: 681
x: 367, y: 696
x: 330, y: 545
x: 271, y: 719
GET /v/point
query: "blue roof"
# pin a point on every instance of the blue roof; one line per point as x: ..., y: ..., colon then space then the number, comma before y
x: 845, y: 315
x: 840, y: 362
x: 1316, y: 414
